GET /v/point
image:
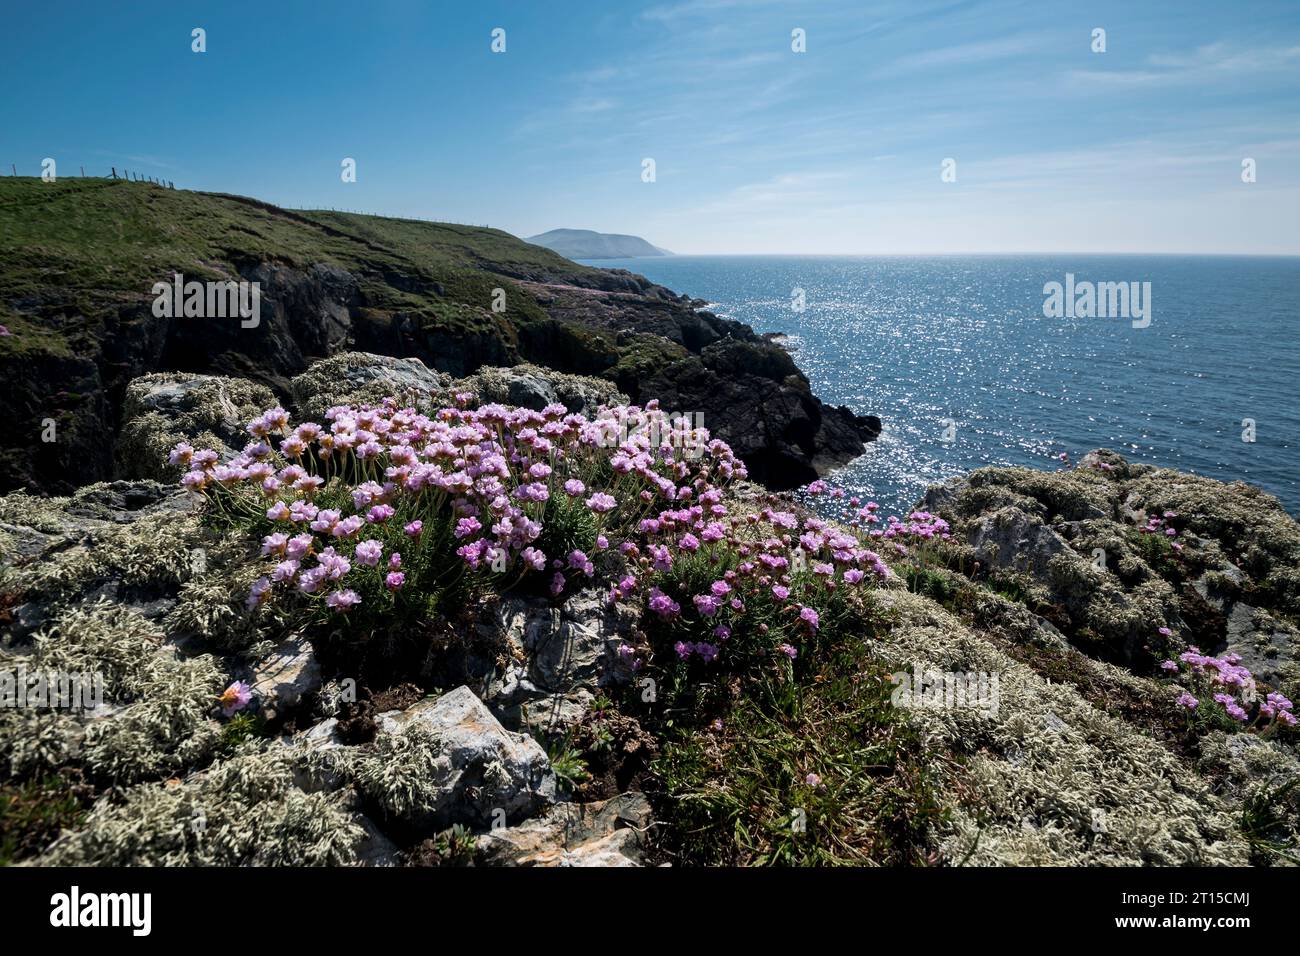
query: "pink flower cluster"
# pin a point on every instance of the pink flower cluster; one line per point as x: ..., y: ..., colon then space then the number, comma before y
x: 1230, y: 685
x: 1159, y: 524
x: 769, y: 565
x: 343, y: 497
x: 380, y: 505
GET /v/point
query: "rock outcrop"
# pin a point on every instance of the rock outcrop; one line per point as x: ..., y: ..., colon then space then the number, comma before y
x: 1057, y: 583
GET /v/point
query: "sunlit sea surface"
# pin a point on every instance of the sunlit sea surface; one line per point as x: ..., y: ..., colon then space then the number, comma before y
x: 929, y: 343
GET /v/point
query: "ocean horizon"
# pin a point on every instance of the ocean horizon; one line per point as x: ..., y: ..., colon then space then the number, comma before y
x: 956, y: 355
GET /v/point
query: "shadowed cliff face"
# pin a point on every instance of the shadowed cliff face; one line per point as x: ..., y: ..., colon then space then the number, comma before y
x: 78, y: 261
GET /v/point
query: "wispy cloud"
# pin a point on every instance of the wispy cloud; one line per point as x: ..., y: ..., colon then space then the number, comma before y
x: 1206, y: 64
x: 969, y: 54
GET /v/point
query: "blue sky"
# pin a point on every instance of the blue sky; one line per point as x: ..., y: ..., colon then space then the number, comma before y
x: 757, y: 149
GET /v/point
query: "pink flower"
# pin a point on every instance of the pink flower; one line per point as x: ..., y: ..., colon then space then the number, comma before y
x: 601, y: 502
x: 394, y: 580
x: 663, y: 605
x: 369, y: 552
x: 707, y: 604
x: 342, y: 600
x: 414, y: 528
x: 258, y: 593
x: 235, y: 698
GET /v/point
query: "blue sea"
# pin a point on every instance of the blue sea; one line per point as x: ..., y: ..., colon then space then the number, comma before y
x: 955, y: 355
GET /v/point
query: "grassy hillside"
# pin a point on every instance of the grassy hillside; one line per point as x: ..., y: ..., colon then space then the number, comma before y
x: 79, y: 258
x: 96, y: 239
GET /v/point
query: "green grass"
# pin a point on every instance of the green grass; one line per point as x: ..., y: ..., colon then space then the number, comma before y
x: 74, y: 254
x: 87, y: 246
x: 741, y: 736
x: 1156, y: 550
x: 32, y: 813
x: 740, y: 795
x: 1263, y: 821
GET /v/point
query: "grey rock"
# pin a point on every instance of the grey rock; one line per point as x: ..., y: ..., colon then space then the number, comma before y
x: 534, y: 387
x: 374, y: 849
x: 210, y: 411
x: 357, y: 378
x: 555, y: 711
x: 607, y: 833
x: 570, y: 651
x: 1009, y: 538
x: 289, y: 675
x: 481, y: 766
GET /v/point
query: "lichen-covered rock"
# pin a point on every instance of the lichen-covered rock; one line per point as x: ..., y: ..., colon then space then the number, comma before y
x: 208, y: 411
x: 242, y: 811
x: 159, y: 721
x: 1220, y: 555
x: 360, y: 378
x: 448, y: 761
x: 533, y: 387
x: 1047, y: 779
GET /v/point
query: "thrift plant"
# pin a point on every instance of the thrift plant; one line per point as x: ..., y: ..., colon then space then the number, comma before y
x: 1231, y: 688
x: 382, y: 513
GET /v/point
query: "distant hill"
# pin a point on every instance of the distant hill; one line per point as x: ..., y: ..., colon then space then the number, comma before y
x: 586, y: 244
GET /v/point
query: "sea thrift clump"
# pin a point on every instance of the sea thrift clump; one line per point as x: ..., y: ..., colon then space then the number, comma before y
x: 1230, y: 685
x: 458, y: 498
x: 381, y: 511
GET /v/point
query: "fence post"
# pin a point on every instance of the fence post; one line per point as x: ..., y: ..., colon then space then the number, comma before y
x: 114, y: 168
x: 14, y: 167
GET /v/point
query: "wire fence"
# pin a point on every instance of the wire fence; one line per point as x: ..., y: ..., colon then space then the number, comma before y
x: 125, y: 175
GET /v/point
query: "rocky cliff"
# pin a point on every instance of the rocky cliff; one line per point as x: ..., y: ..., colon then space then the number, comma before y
x: 1099, y: 599
x: 79, y: 260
